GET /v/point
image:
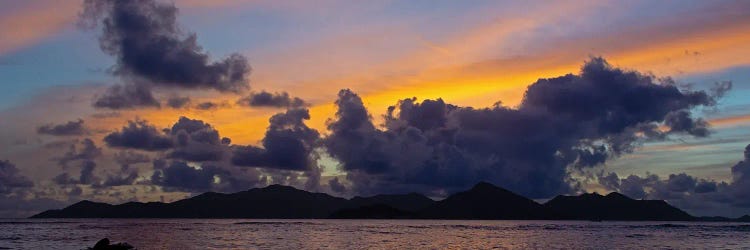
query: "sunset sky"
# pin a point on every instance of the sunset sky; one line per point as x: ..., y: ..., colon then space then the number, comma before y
x: 91, y: 101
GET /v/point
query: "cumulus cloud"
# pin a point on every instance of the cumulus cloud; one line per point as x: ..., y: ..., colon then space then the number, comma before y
x: 87, y: 151
x: 741, y: 180
x: 185, y: 102
x: 686, y: 191
x: 151, y: 48
x: 11, y: 178
x: 106, y: 115
x: 288, y: 144
x: 682, y: 190
x: 86, y: 176
x: 127, y: 96
x: 139, y: 135
x: 65, y: 129
x: 126, y: 158
x: 267, y: 99
x: 84, y: 156
x: 569, y: 121
x: 188, y: 139
x: 177, y: 102
x: 64, y: 179
x: 147, y: 43
x: 87, y: 173
x: 207, y: 105
x: 721, y: 88
x: 681, y: 121
x: 179, y: 175
x: 128, y: 177
x: 197, y: 141
x: 336, y: 185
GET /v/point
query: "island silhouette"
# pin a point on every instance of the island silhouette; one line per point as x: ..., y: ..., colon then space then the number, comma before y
x: 483, y: 201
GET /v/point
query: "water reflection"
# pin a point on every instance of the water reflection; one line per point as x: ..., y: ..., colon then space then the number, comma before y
x: 367, y: 234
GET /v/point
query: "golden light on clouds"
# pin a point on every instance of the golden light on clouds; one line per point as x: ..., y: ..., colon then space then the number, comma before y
x: 730, y: 121
x: 478, y: 84
x: 492, y: 61
x: 469, y: 54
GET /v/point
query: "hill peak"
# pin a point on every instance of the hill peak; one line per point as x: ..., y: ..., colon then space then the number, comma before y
x: 594, y: 194
x: 85, y: 203
x: 744, y: 218
x: 616, y: 195
x: 614, y: 206
x: 279, y: 187
x: 483, y: 201
x: 486, y: 187
x: 484, y: 184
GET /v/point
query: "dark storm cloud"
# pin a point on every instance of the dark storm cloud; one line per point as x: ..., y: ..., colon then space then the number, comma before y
x: 86, y: 176
x: 149, y: 45
x: 721, y: 88
x: 681, y: 190
x: 354, y: 140
x: 180, y: 176
x: 705, y: 186
x: 188, y: 139
x: 741, y: 170
x: 59, y: 144
x: 75, y: 191
x: 288, y: 144
x: 687, y: 191
x: 127, y: 158
x: 207, y: 105
x: 123, y: 179
x: 11, y: 178
x: 139, y: 135
x: 651, y: 186
x: 267, y: 99
x: 106, y: 115
x: 84, y: 157
x: 127, y: 96
x: 177, y: 102
x: 127, y: 175
x: 87, y: 151
x: 196, y: 141
x: 681, y: 183
x: 611, y: 180
x: 573, y: 120
x: 64, y: 179
x: 741, y: 180
x: 682, y: 121
x: 159, y: 163
x: 87, y: 173
x: 336, y: 186
x: 198, y: 131
x: 69, y: 128
x: 633, y: 186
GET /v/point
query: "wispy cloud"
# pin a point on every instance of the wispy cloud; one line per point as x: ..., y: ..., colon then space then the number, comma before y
x: 25, y: 23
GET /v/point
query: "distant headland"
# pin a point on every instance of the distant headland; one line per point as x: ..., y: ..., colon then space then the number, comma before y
x: 484, y: 201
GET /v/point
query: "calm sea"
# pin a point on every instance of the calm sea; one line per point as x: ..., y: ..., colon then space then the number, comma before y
x: 368, y: 234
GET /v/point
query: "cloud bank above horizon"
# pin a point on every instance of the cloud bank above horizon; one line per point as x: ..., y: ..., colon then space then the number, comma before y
x: 435, y: 116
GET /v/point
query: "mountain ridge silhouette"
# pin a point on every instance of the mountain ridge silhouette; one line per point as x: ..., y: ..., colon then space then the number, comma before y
x: 482, y: 201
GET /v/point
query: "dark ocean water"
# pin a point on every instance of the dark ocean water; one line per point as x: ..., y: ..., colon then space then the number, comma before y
x: 369, y: 234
